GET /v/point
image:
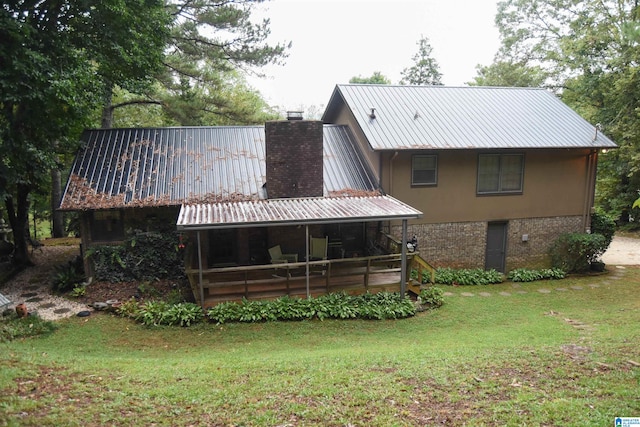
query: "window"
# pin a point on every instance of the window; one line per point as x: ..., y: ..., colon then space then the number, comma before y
x: 424, y: 170
x: 500, y: 173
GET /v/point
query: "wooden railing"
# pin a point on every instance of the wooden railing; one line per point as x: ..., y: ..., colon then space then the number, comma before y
x: 354, y: 275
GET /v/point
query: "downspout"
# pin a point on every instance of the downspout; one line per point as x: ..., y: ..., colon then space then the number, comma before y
x: 589, y: 195
x: 306, y: 251
x: 403, y: 263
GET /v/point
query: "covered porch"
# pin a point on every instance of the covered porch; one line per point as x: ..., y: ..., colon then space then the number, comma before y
x: 379, y: 262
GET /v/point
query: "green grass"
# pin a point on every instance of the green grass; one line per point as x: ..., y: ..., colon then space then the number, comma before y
x: 526, y: 359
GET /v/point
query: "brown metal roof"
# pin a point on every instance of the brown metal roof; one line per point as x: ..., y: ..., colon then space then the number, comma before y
x: 273, y: 212
x: 119, y: 168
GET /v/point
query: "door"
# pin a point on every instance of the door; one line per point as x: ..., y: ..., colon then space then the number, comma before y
x: 496, y: 246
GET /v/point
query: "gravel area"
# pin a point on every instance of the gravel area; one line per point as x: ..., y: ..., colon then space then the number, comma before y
x: 33, y: 285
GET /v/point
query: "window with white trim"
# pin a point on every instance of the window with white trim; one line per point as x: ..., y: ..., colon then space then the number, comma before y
x: 424, y: 170
x: 500, y: 173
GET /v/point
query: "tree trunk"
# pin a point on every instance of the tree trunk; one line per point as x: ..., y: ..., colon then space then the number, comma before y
x: 107, y: 111
x: 19, y: 220
x: 57, y: 217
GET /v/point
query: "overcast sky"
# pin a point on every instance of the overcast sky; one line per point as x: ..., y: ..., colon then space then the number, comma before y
x: 335, y: 40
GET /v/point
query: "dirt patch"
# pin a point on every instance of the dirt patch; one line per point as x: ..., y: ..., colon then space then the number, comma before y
x: 168, y: 290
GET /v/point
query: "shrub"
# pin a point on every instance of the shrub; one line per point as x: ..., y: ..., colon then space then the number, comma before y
x: 143, y: 256
x: 574, y: 252
x: 433, y: 297
x: 67, y: 276
x: 477, y: 276
x: 528, y: 275
x: 603, y: 224
x: 383, y: 305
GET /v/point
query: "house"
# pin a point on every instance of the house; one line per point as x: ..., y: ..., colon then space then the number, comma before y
x: 236, y: 192
x: 498, y: 172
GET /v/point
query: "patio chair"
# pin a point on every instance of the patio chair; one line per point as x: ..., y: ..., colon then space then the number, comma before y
x: 277, y: 257
x: 318, y: 251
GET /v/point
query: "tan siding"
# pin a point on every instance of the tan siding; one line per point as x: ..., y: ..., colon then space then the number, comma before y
x: 554, y: 185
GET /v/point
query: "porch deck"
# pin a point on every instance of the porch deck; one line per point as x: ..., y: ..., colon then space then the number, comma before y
x: 353, y: 275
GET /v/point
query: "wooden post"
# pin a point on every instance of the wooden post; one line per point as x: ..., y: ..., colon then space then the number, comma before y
x: 403, y: 265
x: 306, y: 239
x: 200, y: 272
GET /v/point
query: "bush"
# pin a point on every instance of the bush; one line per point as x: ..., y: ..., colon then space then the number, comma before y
x: 142, y: 257
x: 433, y: 297
x: 67, y: 276
x: 574, y: 252
x: 156, y: 313
x: 603, y: 224
x: 527, y: 275
x: 477, y: 276
x: 383, y: 305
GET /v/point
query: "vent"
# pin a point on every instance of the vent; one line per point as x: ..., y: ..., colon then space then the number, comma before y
x: 294, y: 115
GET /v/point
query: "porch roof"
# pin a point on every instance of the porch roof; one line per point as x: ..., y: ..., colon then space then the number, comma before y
x: 301, y: 211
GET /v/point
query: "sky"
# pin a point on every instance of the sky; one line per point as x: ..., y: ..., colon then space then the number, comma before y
x: 335, y: 40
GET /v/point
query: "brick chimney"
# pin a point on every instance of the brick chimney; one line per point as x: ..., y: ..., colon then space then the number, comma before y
x: 294, y: 158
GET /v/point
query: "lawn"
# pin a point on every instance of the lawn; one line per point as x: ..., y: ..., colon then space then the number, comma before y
x: 568, y: 357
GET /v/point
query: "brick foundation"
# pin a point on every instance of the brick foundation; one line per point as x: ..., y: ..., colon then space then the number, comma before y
x: 463, y: 245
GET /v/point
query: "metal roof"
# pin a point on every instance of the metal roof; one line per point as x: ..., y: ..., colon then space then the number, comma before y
x: 273, y: 212
x: 441, y: 117
x: 170, y: 166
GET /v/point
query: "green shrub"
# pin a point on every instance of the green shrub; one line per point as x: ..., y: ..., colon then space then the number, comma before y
x: 476, y: 276
x: 574, y: 252
x: 528, y: 275
x: 383, y: 305
x: 183, y: 314
x: 143, y: 257
x: 603, y: 224
x: 67, y: 276
x: 432, y: 297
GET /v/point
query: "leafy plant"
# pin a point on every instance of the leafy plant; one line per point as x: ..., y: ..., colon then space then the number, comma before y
x: 602, y: 223
x: 476, y: 276
x: 144, y: 256
x: 529, y: 275
x: 183, y: 314
x: 383, y: 305
x: 433, y: 297
x: 78, y: 291
x: 574, y: 252
x: 67, y: 276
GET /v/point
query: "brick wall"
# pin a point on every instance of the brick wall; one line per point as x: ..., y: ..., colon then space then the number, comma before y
x: 463, y: 245
x: 294, y: 158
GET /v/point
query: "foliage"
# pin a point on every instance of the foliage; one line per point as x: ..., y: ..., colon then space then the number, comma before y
x: 508, y: 74
x: 574, y: 252
x: 377, y: 78
x: 68, y: 276
x: 12, y: 327
x: 432, y: 296
x: 382, y: 305
x: 603, y: 224
x: 161, y: 313
x: 56, y: 61
x: 78, y: 291
x: 474, y: 276
x: 589, y: 52
x: 143, y: 256
x: 529, y: 275
x: 425, y: 70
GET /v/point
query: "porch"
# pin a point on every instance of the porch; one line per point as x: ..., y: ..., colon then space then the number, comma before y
x: 300, y: 279
x: 229, y: 264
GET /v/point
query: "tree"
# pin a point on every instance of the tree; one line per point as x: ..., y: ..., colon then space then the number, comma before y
x: 589, y: 51
x: 56, y: 60
x: 508, y: 74
x: 425, y: 70
x: 211, y: 45
x: 377, y: 78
